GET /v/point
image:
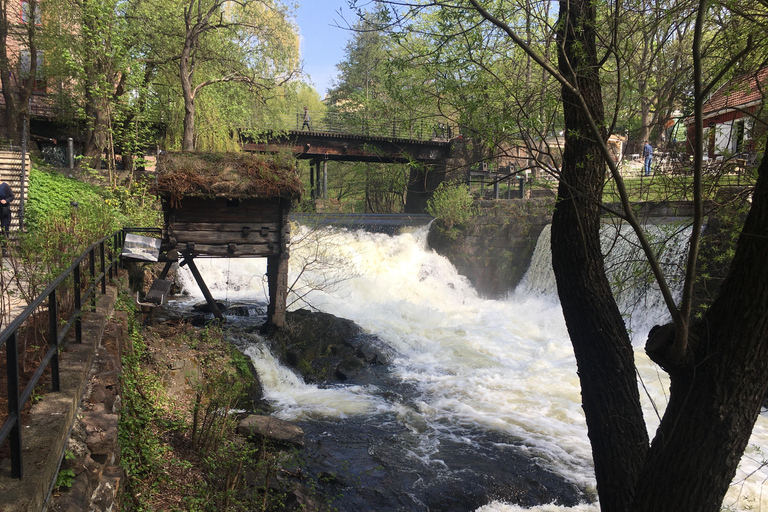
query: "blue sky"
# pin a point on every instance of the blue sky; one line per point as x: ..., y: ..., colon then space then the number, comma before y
x: 322, y: 42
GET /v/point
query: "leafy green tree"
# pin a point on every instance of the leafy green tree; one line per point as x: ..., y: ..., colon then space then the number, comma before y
x: 718, y: 365
x: 88, y: 59
x: 19, y: 61
x: 361, y: 97
x: 200, y: 45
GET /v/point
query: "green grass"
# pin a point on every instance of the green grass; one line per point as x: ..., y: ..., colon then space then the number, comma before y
x: 667, y: 187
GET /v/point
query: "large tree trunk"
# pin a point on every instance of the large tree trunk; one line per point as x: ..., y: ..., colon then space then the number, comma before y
x: 11, y: 113
x: 6, y: 79
x: 95, y: 141
x: 17, y: 89
x: 188, y: 137
x: 716, y: 395
x: 601, y: 344
x: 186, y: 72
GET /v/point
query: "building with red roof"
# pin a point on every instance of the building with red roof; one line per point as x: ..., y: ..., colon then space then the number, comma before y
x: 731, y: 114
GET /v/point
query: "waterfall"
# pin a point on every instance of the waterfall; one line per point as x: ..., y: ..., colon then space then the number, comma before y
x: 467, y: 373
x: 637, y: 294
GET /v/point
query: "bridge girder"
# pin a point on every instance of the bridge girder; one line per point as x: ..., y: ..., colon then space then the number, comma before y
x: 355, y: 148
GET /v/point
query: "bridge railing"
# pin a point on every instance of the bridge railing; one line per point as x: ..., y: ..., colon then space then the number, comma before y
x: 107, y: 252
x: 356, y: 123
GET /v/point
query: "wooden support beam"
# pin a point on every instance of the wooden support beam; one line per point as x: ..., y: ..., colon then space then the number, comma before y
x: 277, y: 275
x: 221, y: 236
x: 189, y: 260
x: 228, y: 226
x: 223, y: 250
x: 166, y: 268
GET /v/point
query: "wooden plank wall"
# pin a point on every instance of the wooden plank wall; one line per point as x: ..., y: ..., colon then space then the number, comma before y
x: 232, y: 229
x: 225, y: 228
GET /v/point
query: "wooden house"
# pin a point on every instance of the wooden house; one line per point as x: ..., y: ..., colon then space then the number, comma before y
x: 729, y: 116
x: 229, y: 205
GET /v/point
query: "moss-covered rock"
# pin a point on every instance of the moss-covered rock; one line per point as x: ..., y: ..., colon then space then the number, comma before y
x: 326, y: 348
x: 493, y: 249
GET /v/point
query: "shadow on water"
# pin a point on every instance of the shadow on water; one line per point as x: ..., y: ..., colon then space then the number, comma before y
x: 376, y: 463
x: 397, y: 461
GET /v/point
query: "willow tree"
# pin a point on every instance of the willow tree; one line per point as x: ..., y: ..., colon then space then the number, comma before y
x: 200, y: 44
x: 718, y: 363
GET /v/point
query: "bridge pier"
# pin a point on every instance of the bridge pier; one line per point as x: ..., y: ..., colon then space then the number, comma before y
x: 422, y: 182
x: 318, y: 182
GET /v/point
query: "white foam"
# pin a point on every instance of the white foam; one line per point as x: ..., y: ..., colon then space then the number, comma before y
x: 505, y: 365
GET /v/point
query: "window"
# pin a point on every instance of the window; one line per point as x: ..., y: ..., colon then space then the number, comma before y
x: 25, y: 63
x: 26, y: 6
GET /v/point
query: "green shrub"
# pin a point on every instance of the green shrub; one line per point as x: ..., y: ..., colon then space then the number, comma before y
x: 51, y: 196
x: 451, y: 204
x: 134, y: 205
x: 99, y: 211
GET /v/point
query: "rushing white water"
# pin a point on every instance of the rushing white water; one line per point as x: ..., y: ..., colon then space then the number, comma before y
x: 500, y: 365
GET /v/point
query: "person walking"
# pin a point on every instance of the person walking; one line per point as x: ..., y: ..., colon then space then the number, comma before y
x: 647, y: 157
x: 306, y: 120
x: 6, y: 196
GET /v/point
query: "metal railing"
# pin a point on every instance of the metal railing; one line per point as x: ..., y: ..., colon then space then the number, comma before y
x: 359, y: 123
x: 103, y: 250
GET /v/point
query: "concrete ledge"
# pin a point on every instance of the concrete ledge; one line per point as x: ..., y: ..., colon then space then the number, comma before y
x: 45, y: 434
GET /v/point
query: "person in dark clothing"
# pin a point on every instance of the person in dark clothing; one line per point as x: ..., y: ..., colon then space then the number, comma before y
x: 306, y: 120
x: 6, y: 196
x: 647, y: 158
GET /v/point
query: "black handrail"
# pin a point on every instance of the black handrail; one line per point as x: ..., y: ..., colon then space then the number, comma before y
x: 364, y: 124
x: 11, y: 428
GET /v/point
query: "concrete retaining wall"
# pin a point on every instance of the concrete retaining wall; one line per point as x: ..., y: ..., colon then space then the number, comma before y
x: 493, y: 250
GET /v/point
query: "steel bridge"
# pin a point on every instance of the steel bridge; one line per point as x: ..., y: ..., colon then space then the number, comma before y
x: 354, y: 138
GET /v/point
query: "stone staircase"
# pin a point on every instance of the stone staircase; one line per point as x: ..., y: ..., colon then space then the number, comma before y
x: 10, y: 172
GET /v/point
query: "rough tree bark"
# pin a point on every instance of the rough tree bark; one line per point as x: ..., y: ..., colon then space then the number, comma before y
x: 716, y: 389
x: 717, y: 392
x: 719, y: 374
x: 186, y: 72
x: 17, y: 89
x: 601, y: 344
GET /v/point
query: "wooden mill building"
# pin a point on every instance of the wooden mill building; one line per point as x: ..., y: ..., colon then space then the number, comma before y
x: 229, y: 205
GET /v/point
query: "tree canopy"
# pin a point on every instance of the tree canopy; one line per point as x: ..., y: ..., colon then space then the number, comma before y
x: 592, y: 69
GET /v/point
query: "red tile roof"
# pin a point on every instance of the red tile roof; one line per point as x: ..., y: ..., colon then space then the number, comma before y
x: 738, y: 92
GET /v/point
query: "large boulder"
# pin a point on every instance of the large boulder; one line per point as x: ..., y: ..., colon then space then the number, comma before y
x: 255, y: 426
x: 325, y: 348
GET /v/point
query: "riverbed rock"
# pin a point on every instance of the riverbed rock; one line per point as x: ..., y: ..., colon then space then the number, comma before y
x: 325, y: 348
x: 255, y: 426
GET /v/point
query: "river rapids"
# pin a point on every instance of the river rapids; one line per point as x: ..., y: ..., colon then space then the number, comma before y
x: 481, y: 408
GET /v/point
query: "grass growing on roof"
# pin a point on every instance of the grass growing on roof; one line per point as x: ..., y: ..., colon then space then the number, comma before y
x: 230, y: 175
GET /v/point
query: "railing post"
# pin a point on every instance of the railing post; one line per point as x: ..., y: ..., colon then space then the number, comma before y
x: 53, y: 338
x: 103, y: 269
x: 92, y: 268
x: 117, y: 247
x: 78, y: 306
x: 12, y: 367
x: 111, y: 257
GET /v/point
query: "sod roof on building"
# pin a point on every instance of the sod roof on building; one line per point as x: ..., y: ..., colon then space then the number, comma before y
x: 226, y: 175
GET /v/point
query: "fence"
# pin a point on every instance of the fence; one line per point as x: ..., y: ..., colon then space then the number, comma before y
x: 357, y: 123
x: 11, y: 428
